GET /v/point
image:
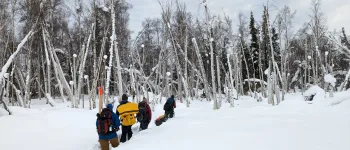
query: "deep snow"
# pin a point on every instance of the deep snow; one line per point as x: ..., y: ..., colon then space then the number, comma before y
x: 292, y: 125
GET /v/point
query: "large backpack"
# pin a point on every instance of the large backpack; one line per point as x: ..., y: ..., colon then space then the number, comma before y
x: 142, y: 115
x: 127, y: 113
x: 168, y: 104
x: 104, y: 122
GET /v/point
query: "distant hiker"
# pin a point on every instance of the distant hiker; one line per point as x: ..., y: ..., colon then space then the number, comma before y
x: 107, y: 125
x: 169, y: 106
x: 127, y: 112
x: 145, y: 114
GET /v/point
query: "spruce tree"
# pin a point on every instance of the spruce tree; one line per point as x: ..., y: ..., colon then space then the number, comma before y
x: 254, y: 48
x: 342, y: 63
x: 344, y: 39
x: 247, y: 70
x: 276, y: 48
x: 265, y: 50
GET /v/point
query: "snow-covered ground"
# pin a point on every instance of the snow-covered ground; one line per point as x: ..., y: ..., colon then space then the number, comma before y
x: 293, y: 125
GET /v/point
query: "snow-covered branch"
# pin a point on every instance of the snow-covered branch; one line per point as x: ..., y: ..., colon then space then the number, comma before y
x: 10, y: 60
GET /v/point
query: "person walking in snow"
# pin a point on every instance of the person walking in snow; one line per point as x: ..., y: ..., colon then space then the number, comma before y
x: 145, y: 114
x: 127, y: 112
x: 107, y: 125
x: 169, y: 106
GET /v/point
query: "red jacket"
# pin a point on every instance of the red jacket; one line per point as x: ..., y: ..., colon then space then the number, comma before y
x: 148, y: 112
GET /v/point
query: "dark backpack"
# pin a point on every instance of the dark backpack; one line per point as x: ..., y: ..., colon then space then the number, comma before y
x: 104, y: 122
x: 168, y: 104
x: 142, y: 115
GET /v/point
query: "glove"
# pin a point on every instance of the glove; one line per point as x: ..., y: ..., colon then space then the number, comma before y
x: 116, y: 129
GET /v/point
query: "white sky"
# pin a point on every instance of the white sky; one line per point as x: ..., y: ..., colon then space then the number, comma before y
x: 335, y: 11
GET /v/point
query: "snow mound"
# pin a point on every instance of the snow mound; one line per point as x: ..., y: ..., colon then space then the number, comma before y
x: 314, y: 90
x: 340, y: 97
x: 317, y: 91
x: 330, y: 79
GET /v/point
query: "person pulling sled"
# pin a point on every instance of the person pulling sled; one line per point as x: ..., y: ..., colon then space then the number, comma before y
x: 169, y: 107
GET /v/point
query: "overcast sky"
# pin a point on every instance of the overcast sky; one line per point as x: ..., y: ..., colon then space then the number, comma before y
x: 337, y: 12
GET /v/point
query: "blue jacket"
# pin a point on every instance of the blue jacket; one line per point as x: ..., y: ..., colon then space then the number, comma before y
x: 172, y: 102
x: 115, y: 122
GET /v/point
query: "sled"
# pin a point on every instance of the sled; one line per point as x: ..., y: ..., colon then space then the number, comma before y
x: 159, y: 121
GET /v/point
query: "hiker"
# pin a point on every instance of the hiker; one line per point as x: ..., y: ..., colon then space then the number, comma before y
x: 107, y: 125
x: 127, y: 112
x: 145, y: 114
x: 169, y: 106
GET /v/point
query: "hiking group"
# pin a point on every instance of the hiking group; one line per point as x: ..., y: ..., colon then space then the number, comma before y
x: 127, y: 114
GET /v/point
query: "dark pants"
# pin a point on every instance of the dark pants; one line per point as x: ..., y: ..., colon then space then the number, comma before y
x: 169, y: 113
x: 144, y: 124
x: 126, y: 131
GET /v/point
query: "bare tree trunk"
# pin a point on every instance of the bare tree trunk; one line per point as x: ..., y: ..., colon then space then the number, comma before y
x: 48, y: 63
x: 113, y: 41
x: 231, y: 81
x: 120, y: 81
x: 236, y: 68
x: 272, y: 69
x: 206, y: 89
x: 27, y: 88
x: 2, y: 101
x: 81, y: 67
x: 93, y: 91
x: 59, y: 82
x: 18, y: 95
x: 60, y: 73
x: 179, y: 87
x: 219, y: 84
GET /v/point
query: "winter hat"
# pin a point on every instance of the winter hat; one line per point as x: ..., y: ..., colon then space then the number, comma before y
x: 172, y: 96
x: 124, y: 97
x: 110, y: 106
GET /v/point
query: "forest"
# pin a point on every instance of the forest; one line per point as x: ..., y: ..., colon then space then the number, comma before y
x: 56, y: 53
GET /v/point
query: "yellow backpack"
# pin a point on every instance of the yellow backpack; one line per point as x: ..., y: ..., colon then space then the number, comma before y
x: 127, y: 113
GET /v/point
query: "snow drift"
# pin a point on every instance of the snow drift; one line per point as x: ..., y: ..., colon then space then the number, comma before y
x: 291, y: 125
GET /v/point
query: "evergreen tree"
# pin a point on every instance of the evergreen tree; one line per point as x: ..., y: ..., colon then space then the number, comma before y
x: 344, y: 39
x: 245, y: 60
x: 265, y: 50
x: 276, y: 48
x: 342, y: 63
x: 254, y: 48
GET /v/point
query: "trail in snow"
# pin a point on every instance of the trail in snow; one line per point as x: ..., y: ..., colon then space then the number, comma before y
x: 291, y: 125
x: 249, y: 129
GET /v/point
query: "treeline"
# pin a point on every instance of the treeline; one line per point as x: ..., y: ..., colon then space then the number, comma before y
x: 74, y: 48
